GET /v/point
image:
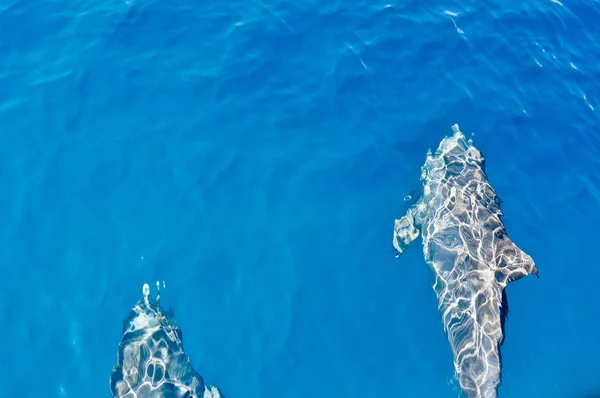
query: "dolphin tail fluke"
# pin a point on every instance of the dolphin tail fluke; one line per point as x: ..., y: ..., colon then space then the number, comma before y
x: 404, y: 232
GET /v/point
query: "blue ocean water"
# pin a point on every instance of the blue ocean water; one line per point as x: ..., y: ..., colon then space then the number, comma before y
x: 254, y: 155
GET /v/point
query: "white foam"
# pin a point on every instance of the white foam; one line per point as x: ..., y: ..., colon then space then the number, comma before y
x: 143, y: 321
x: 212, y: 393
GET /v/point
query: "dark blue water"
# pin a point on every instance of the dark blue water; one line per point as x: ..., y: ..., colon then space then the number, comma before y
x: 254, y: 155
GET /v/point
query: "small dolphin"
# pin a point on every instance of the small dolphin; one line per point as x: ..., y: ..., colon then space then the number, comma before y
x: 466, y: 244
x: 151, y: 360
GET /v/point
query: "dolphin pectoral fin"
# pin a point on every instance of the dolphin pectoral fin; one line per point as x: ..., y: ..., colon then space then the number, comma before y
x: 404, y: 232
x: 514, y: 264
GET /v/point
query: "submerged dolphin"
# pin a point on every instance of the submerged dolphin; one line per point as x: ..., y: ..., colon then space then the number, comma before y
x: 465, y: 243
x: 151, y: 361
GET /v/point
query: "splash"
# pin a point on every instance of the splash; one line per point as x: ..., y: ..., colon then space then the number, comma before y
x: 466, y: 245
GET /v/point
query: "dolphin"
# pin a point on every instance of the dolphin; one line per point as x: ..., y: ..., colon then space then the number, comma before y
x: 465, y: 243
x: 151, y: 361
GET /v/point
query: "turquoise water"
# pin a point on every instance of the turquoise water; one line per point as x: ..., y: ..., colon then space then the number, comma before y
x: 254, y: 156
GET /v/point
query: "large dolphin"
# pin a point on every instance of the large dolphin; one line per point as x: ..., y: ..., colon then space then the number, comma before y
x: 465, y: 243
x: 151, y: 361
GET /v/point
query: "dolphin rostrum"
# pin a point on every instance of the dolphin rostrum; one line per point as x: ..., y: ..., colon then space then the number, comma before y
x: 466, y: 244
x: 151, y: 361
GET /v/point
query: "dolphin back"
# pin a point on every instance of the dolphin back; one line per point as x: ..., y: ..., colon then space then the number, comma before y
x: 151, y: 361
x: 465, y: 243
